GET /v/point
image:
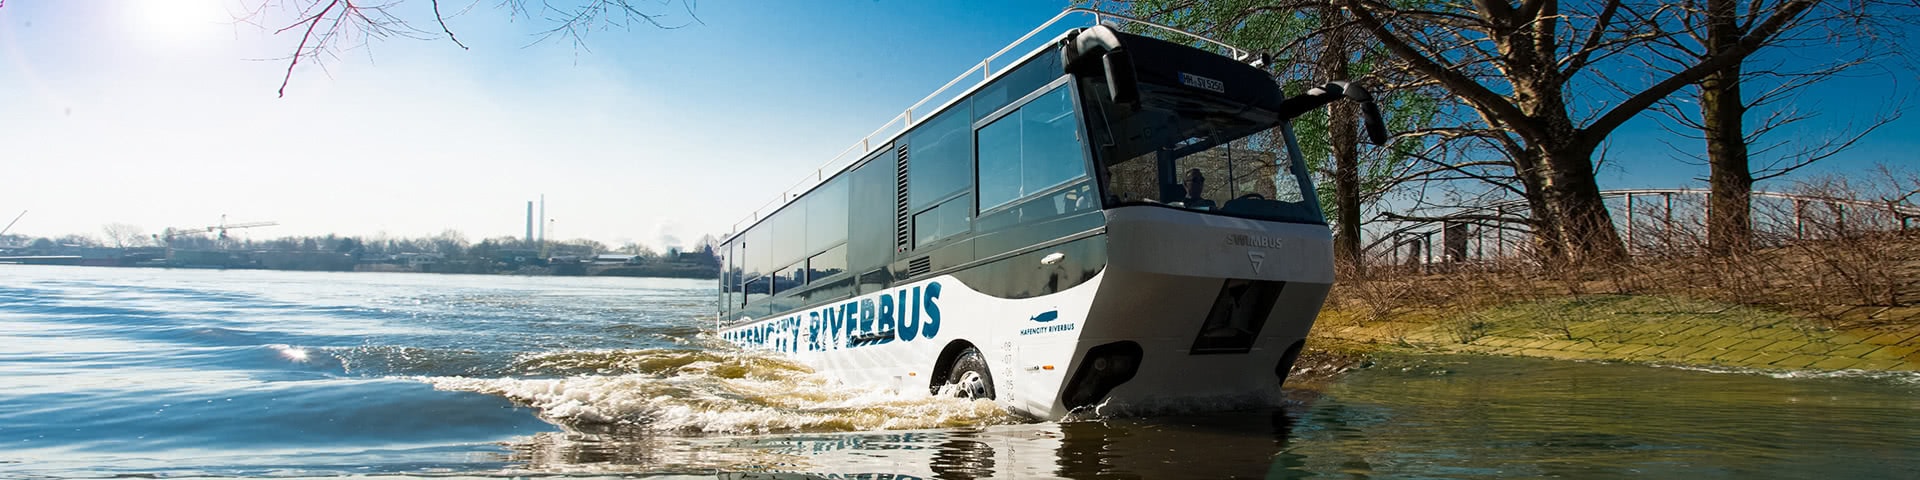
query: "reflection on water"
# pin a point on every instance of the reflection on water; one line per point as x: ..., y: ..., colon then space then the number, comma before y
x: 1530, y: 418
x: 1418, y: 417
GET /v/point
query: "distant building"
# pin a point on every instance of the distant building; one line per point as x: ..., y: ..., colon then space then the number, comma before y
x: 517, y: 256
x: 418, y: 260
x: 612, y: 259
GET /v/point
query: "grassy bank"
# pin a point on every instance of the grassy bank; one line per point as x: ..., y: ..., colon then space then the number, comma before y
x: 1823, y: 306
x: 1635, y: 328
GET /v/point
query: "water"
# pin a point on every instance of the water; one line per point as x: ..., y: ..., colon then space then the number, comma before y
x: 175, y: 373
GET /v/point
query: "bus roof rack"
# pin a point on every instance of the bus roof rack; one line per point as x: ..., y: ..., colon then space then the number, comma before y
x: 973, y: 78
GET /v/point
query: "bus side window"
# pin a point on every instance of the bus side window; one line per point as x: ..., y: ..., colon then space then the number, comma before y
x: 939, y: 173
x: 727, y: 279
x: 1030, y: 150
x: 757, y: 292
x: 941, y: 158
x: 870, y: 220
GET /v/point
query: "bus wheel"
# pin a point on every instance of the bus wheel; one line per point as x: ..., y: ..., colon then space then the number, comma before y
x: 970, y: 378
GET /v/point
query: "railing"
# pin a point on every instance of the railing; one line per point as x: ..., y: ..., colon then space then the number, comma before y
x: 1650, y: 221
x: 980, y: 74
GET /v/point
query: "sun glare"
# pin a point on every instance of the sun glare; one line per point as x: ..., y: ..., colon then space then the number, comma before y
x: 177, y: 22
x: 293, y: 353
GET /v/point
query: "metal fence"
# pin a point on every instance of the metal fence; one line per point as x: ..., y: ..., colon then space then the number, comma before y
x: 1649, y: 221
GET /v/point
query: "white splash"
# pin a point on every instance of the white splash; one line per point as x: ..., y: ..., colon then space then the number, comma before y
x: 702, y: 391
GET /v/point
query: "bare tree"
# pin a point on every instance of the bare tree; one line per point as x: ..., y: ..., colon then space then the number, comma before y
x: 1845, y: 40
x: 449, y: 242
x: 325, y: 26
x: 1517, y: 65
x: 78, y: 240
x: 583, y: 247
x: 636, y: 249
x: 122, y: 235
x: 707, y: 240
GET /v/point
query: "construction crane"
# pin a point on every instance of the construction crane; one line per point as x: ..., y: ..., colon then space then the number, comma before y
x: 16, y: 219
x: 222, y: 228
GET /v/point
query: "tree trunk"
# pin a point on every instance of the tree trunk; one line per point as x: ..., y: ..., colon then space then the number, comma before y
x: 1586, y: 228
x: 1565, y: 172
x: 1545, y: 225
x: 1346, y: 184
x: 1342, y: 139
x: 1730, y: 181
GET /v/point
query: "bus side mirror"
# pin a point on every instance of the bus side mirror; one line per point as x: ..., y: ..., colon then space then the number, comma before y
x: 1122, y: 85
x: 1376, y: 126
x: 1369, y: 113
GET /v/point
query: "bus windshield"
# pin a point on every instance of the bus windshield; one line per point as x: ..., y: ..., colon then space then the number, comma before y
x: 1184, y: 150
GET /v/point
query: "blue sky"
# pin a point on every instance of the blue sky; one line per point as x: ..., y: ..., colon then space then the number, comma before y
x: 163, y: 115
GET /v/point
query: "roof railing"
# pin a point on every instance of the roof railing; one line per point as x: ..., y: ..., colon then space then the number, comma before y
x: 980, y: 73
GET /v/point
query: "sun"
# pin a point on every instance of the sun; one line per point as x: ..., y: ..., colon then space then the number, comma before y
x: 177, y: 22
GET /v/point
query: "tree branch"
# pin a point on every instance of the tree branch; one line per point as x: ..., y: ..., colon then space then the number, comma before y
x: 1579, y: 59
x: 1632, y: 107
x: 1826, y: 149
x: 1460, y: 84
x: 311, y: 22
x: 443, y: 25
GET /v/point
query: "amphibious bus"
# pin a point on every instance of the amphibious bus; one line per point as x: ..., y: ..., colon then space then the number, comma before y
x: 1114, y: 220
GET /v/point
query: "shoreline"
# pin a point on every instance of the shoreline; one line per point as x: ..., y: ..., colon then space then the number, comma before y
x: 1643, y: 329
x: 543, y: 271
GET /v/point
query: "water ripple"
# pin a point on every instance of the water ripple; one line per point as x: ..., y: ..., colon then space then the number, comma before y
x: 185, y: 373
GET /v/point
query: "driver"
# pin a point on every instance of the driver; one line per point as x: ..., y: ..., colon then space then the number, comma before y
x: 1196, y: 185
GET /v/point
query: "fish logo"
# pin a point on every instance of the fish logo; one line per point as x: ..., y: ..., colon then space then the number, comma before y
x: 1047, y: 316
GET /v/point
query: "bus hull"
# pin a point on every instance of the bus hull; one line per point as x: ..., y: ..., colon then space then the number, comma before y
x: 1164, y: 273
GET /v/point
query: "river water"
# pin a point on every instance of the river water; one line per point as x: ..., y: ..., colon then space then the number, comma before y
x: 110, y: 372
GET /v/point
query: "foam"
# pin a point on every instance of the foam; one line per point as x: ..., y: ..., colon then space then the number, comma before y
x: 709, y: 391
x: 1910, y: 378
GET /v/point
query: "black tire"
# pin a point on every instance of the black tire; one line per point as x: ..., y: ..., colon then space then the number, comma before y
x: 970, y: 378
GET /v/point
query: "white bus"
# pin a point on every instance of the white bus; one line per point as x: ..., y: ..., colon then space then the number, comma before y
x: 1113, y: 220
